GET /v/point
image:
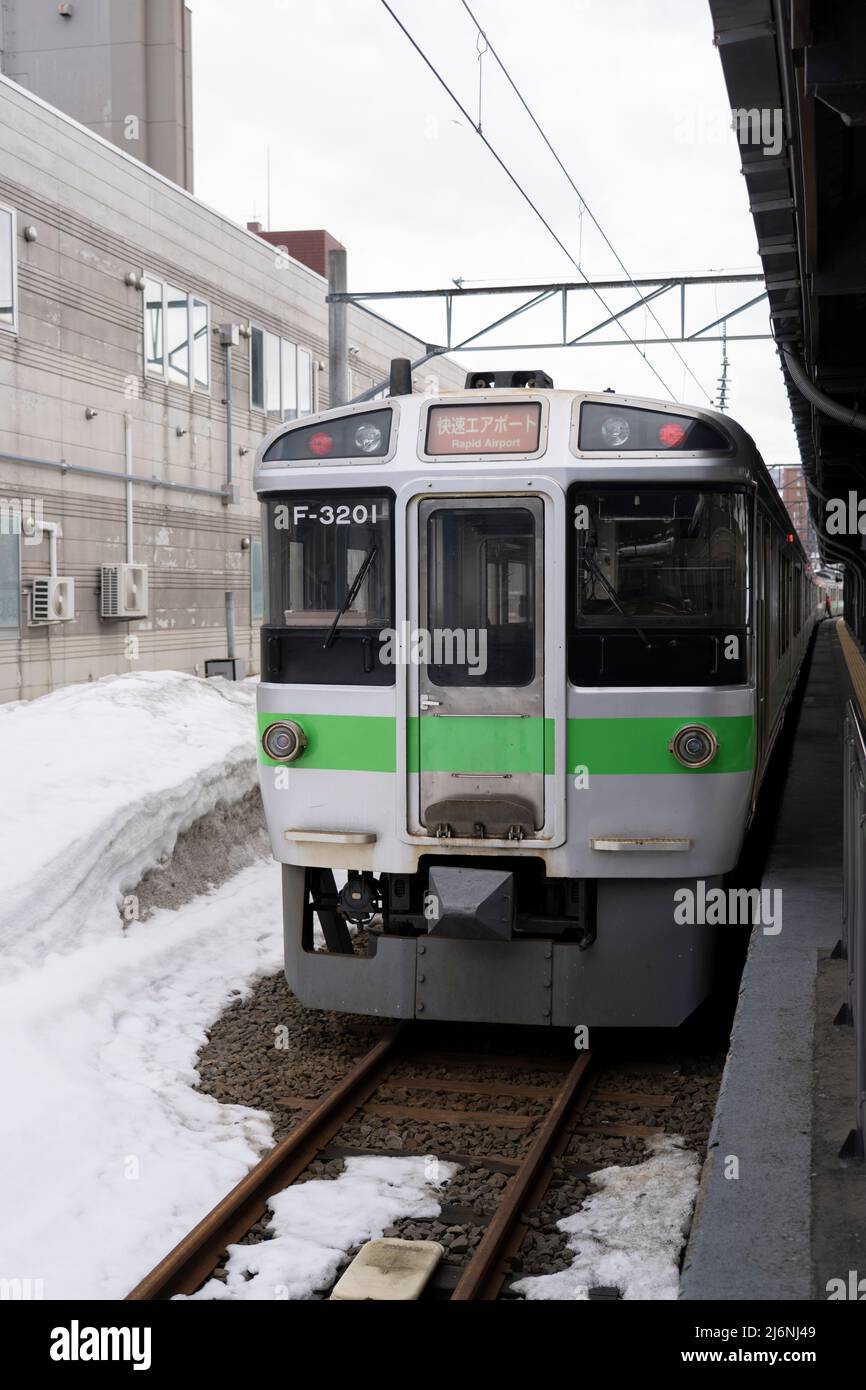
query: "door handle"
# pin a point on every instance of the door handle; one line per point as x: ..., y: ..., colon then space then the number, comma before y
x: 427, y: 703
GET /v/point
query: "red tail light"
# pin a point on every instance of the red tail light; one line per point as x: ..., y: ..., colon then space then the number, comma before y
x: 672, y: 435
x: 321, y: 444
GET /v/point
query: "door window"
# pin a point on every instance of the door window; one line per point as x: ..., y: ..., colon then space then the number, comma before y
x: 481, y: 596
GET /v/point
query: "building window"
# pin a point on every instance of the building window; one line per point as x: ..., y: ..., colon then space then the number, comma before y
x: 282, y: 379
x: 10, y: 583
x: 200, y: 333
x: 257, y: 600
x: 289, y: 379
x: 257, y: 370
x: 176, y: 336
x: 8, y: 276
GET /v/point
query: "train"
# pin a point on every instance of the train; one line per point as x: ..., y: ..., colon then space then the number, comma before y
x: 525, y: 656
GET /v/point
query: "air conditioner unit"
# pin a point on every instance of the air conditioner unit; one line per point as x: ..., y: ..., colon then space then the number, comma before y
x: 52, y: 599
x: 123, y: 591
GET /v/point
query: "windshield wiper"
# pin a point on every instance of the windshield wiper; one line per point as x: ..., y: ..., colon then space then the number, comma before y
x: 351, y: 594
x: 595, y: 568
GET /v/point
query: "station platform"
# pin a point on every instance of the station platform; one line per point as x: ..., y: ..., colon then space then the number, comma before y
x: 780, y: 1215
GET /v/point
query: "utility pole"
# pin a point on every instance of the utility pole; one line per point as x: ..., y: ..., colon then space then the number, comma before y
x: 338, y: 337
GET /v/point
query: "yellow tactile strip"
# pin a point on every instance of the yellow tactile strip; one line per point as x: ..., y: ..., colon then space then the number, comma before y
x: 855, y: 661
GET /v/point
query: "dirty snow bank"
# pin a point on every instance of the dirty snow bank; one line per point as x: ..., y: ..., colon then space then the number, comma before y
x: 98, y: 781
x: 629, y: 1234
x: 107, y: 1153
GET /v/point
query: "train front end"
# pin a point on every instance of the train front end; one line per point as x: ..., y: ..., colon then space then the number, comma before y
x: 507, y: 706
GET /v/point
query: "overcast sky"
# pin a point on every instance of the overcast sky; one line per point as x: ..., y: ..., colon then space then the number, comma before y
x: 364, y: 141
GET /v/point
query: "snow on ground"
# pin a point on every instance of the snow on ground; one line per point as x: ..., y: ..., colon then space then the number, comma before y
x: 98, y: 780
x: 629, y: 1234
x: 316, y: 1223
x: 107, y: 1154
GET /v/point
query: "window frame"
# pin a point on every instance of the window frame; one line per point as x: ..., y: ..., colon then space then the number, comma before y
x: 579, y: 621
x: 283, y: 415
x: 436, y: 611
x: 329, y: 495
x: 13, y: 247
x: 193, y: 300
x: 12, y: 633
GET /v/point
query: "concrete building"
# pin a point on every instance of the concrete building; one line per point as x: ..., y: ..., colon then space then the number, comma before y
x: 115, y: 285
x: 790, y: 481
x: 121, y: 67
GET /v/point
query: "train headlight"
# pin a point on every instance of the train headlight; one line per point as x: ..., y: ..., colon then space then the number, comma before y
x: 368, y: 438
x: 615, y: 431
x: 284, y: 742
x: 694, y: 746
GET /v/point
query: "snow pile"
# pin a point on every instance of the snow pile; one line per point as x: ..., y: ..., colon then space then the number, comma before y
x: 629, y: 1234
x: 316, y: 1223
x: 107, y: 1154
x: 98, y: 781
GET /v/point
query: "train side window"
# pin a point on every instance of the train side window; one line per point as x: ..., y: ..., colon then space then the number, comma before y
x: 784, y: 576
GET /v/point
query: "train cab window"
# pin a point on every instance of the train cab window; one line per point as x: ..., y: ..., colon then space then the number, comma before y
x: 659, y: 582
x: 328, y: 586
x: 480, y: 577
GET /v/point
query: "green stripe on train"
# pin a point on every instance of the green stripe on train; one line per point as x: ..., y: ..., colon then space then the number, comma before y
x: 475, y: 743
x: 617, y: 746
x: 367, y: 743
x: 343, y: 742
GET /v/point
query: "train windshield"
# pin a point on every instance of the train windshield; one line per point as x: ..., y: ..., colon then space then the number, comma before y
x: 329, y: 559
x: 651, y: 557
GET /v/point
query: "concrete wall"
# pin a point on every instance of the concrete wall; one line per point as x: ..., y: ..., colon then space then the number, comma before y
x: 78, y: 346
x: 121, y: 67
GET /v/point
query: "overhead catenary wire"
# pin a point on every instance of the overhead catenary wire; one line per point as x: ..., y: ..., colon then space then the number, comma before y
x: 584, y: 205
x: 523, y: 193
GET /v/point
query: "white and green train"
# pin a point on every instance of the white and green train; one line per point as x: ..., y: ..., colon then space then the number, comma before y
x: 525, y: 655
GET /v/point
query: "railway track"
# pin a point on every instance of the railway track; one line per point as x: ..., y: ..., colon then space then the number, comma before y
x: 550, y: 1116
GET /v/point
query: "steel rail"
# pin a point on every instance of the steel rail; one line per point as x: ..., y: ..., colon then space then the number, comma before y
x: 482, y: 1277
x: 195, y: 1257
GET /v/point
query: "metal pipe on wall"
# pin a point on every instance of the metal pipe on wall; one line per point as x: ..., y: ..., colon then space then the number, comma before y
x: 61, y: 466
x: 843, y: 413
x: 228, y: 348
x: 338, y: 332
x: 229, y: 337
x: 230, y: 624
x: 127, y: 442
x: 53, y: 530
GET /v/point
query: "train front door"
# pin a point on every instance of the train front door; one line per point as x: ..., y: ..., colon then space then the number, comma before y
x: 481, y: 737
